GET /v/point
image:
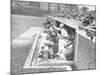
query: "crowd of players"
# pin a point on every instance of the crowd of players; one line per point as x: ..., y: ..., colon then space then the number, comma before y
x: 57, y: 41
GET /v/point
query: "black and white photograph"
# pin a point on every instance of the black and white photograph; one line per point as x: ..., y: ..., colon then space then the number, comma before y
x: 52, y: 37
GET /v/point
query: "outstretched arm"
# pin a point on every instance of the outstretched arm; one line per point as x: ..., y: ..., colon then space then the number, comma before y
x: 56, y: 28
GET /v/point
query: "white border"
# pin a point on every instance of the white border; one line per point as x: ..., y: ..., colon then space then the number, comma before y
x: 5, y: 36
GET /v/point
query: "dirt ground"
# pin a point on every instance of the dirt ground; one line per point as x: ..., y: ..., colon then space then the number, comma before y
x: 20, y: 24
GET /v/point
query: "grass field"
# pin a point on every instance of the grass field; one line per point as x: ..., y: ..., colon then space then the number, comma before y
x: 20, y: 24
x: 19, y: 54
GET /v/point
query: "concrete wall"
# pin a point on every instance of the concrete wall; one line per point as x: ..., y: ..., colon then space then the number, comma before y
x: 44, y: 6
x: 53, y: 6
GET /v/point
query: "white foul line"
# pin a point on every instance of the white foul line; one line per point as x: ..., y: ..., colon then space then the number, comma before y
x: 29, y: 58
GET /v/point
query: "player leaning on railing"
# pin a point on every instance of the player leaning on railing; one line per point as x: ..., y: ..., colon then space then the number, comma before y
x: 65, y: 43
